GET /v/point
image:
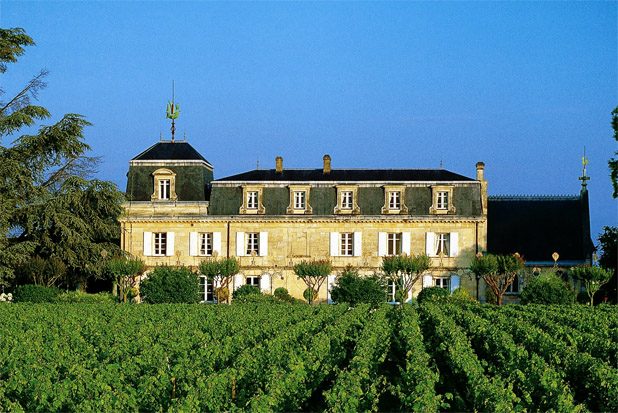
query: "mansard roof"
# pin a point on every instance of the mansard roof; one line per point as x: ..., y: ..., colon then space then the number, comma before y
x: 168, y: 150
x: 347, y: 175
x: 538, y: 226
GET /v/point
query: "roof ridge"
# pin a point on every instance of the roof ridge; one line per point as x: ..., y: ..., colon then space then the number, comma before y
x: 533, y: 197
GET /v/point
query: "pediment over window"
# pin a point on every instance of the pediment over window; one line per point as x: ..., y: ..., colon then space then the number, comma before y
x: 164, y: 185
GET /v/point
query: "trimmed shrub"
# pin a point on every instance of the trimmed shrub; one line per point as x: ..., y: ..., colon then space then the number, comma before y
x: 460, y: 295
x: 256, y: 299
x: 432, y: 293
x: 353, y: 289
x: 170, y: 285
x: 244, y: 291
x: 71, y: 297
x: 547, y: 289
x: 35, y: 294
x: 583, y: 298
x: 490, y: 296
x: 310, y: 295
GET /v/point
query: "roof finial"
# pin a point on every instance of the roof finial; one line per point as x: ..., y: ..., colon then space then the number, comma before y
x: 258, y: 164
x: 440, y: 160
x: 584, y: 178
x: 172, y: 112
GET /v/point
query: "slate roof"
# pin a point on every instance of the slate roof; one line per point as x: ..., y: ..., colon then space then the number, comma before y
x: 167, y: 150
x: 538, y: 226
x: 347, y: 175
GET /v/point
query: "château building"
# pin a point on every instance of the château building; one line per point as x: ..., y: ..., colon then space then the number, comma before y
x: 272, y: 219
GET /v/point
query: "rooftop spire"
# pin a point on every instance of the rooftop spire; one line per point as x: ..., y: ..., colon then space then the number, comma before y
x: 173, y: 111
x: 584, y: 178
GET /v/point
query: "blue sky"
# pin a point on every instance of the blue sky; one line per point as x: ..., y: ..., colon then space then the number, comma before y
x: 521, y: 86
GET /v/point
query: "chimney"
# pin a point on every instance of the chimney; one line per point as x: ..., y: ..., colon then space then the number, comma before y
x: 279, y: 164
x: 480, y: 168
x: 326, y: 170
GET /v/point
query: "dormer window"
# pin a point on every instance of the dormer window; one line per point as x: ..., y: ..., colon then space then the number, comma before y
x: 394, y: 200
x: 442, y: 200
x: 252, y: 200
x: 299, y: 200
x: 347, y: 200
x: 164, y: 185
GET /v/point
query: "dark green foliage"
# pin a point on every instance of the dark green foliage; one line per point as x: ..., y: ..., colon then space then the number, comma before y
x: 592, y: 278
x: 313, y: 273
x: 124, y: 272
x: 170, y: 285
x: 353, y: 289
x: 48, y: 205
x: 547, y: 289
x: 490, y: 297
x: 220, y: 272
x: 613, y: 162
x: 73, y: 297
x: 310, y: 295
x: 461, y: 295
x: 244, y: 291
x: 429, y: 294
x: 608, y: 259
x: 498, y: 271
x: 404, y: 271
x: 30, y: 293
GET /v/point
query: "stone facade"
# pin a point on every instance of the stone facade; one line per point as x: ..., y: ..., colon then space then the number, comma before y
x: 285, y: 216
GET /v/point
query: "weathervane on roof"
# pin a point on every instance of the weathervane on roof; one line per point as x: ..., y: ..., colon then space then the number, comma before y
x: 584, y: 178
x: 173, y: 110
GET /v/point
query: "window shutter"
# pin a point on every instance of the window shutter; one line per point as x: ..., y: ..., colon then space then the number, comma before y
x: 193, y: 248
x: 216, y: 243
x: 334, y: 244
x: 405, y: 243
x: 147, y: 244
x: 240, y: 244
x: 358, y: 244
x: 238, y: 281
x: 263, y: 247
x: 430, y: 241
x: 455, y: 283
x: 331, y: 282
x: 265, y: 283
x: 454, y: 241
x: 170, y: 244
x: 427, y: 281
x: 381, y: 244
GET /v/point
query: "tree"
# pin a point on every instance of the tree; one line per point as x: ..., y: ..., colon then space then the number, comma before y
x: 592, y: 277
x: 404, y: 271
x: 124, y: 272
x: 353, y: 289
x: 220, y: 273
x: 170, y: 285
x: 313, y: 273
x: 613, y: 163
x: 498, y: 271
x: 547, y: 289
x: 48, y: 205
x: 609, y: 260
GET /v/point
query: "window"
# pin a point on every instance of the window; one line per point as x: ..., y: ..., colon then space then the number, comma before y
x: 206, y: 290
x: 347, y: 244
x: 394, y: 200
x: 393, y: 243
x: 252, y: 200
x: 160, y: 243
x: 253, y: 243
x: 253, y: 280
x: 347, y: 199
x: 299, y: 200
x: 442, y: 244
x: 514, y: 287
x: 164, y: 189
x: 442, y: 200
x: 206, y: 243
x: 442, y: 283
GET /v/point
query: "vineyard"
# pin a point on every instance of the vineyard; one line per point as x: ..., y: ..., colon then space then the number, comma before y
x: 260, y: 357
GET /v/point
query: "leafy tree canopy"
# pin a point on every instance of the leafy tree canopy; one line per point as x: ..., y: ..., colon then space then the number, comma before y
x: 498, y: 271
x: 613, y: 163
x: 313, y: 273
x: 354, y: 289
x: 404, y: 271
x: 592, y: 277
x: 49, y: 206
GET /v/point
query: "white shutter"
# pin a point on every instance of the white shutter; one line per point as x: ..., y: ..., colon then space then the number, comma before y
x: 238, y: 281
x: 358, y: 244
x: 430, y: 240
x: 263, y: 244
x: 454, y: 241
x: 147, y: 244
x: 381, y: 244
x: 331, y: 281
x: 216, y: 243
x: 193, y: 244
x: 427, y: 281
x: 265, y: 283
x: 405, y: 243
x: 240, y: 244
x: 409, y: 296
x: 216, y: 282
x: 334, y: 244
x: 170, y: 244
x: 454, y: 283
